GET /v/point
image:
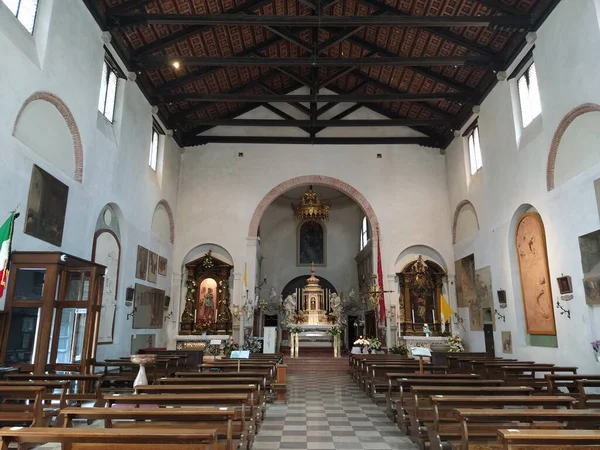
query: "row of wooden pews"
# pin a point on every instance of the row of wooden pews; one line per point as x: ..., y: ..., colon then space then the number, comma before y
x: 220, y: 406
x: 480, y: 403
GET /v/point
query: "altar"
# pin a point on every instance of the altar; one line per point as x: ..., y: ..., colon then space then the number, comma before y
x: 422, y: 341
x: 198, y: 341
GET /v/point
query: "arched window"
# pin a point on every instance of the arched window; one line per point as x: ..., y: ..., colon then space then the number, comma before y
x: 364, y: 233
x: 311, y: 243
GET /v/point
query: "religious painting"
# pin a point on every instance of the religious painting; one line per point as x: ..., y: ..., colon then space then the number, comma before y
x: 484, y: 300
x: 591, y: 286
x: 148, y: 307
x: 152, y: 267
x: 162, y: 266
x: 106, y: 251
x: 46, y: 207
x: 534, y: 274
x: 139, y: 341
x: 564, y: 285
x: 141, y: 265
x: 465, y: 281
x: 507, y: 342
x: 311, y: 243
x: 206, y: 303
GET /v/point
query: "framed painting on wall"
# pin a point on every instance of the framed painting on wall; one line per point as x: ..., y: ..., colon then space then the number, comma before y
x: 141, y: 265
x: 534, y: 274
x: 149, y: 307
x: 507, y: 342
x: 152, y: 267
x: 162, y: 266
x: 139, y: 341
x: 46, y: 207
x: 465, y: 281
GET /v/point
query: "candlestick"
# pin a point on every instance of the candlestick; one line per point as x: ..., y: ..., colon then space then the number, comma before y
x: 433, y: 315
x: 413, y: 315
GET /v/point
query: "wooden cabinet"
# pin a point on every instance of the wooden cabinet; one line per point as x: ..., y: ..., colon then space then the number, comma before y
x: 52, y: 307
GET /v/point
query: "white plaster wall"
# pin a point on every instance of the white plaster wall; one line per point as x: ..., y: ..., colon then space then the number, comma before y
x: 278, y: 231
x: 220, y: 191
x: 115, y: 156
x: 513, y: 176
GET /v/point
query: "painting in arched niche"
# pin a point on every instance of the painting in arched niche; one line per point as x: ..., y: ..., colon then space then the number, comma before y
x: 311, y: 243
x: 205, y: 306
x: 534, y: 275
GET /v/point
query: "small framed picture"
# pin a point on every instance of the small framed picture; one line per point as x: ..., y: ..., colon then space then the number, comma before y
x: 564, y: 285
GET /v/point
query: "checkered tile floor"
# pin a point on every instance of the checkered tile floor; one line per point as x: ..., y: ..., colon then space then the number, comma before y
x: 327, y: 411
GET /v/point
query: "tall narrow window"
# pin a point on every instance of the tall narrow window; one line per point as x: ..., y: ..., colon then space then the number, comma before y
x: 475, y: 151
x: 24, y: 10
x: 108, y: 91
x: 529, y: 96
x: 364, y: 233
x: 153, y: 150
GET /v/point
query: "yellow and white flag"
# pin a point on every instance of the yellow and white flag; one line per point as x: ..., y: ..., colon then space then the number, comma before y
x: 445, y: 309
x: 245, y: 277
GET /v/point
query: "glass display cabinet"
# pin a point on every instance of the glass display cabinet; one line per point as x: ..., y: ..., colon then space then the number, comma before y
x: 52, y: 312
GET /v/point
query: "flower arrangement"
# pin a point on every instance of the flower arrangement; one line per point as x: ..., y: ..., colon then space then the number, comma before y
x: 262, y: 304
x: 374, y: 343
x: 207, y: 261
x: 254, y: 345
x: 212, y: 350
x: 456, y: 344
x: 399, y: 350
x: 229, y: 346
x: 299, y: 317
x: 335, y: 331
x: 296, y: 329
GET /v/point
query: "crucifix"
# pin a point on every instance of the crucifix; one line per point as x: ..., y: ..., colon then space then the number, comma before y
x: 375, y: 295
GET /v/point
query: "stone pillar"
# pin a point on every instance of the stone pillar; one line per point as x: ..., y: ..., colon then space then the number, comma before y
x: 251, y: 273
x: 451, y: 297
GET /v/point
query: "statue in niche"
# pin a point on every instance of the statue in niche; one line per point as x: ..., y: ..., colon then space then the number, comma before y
x: 335, y: 303
x: 289, y: 306
x: 273, y: 295
x: 206, y: 302
x: 311, y: 243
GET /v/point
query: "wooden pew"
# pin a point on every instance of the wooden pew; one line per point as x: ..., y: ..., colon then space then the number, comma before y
x: 480, y: 426
x: 54, y: 391
x: 83, y: 387
x: 23, y: 405
x: 243, y: 402
x: 226, y: 421
x: 421, y: 402
x: 588, y: 399
x: 113, y: 439
x: 549, y: 439
x: 443, y: 427
x: 559, y: 383
x: 373, y: 379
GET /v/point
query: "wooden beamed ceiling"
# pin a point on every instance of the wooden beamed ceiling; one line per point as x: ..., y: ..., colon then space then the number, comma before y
x: 422, y: 64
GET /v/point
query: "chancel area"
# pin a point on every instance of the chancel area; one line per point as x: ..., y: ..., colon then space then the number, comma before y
x: 316, y: 224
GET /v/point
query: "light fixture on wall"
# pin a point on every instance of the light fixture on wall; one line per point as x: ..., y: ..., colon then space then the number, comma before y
x: 502, y: 298
x: 563, y: 310
x: 311, y: 207
x: 131, y: 314
x: 500, y: 316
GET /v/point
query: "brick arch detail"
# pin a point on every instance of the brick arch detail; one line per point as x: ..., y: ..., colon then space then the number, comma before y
x: 558, y: 134
x: 320, y: 180
x: 459, y: 207
x: 167, y: 207
x: 71, y: 124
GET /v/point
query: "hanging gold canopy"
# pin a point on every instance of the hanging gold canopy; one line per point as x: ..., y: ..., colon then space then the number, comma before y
x: 311, y: 207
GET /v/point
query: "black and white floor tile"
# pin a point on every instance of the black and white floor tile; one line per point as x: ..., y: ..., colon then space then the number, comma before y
x: 327, y: 411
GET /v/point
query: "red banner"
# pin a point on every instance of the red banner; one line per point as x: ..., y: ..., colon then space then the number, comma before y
x: 380, y: 279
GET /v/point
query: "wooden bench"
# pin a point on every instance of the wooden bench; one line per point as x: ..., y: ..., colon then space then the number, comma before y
x: 588, y: 399
x: 23, y: 405
x: 549, y: 439
x: 113, y: 439
x: 226, y: 421
x: 82, y: 388
x: 480, y: 426
x: 242, y: 402
x: 442, y: 426
x: 54, y: 391
x: 410, y: 411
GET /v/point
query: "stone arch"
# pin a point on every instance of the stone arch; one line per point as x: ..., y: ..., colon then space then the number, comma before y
x: 70, y: 121
x: 305, y: 180
x: 411, y: 253
x: 169, y: 211
x: 459, y: 207
x: 558, y: 135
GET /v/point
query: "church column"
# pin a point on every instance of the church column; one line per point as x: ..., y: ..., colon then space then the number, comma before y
x: 178, y: 299
x: 238, y: 301
x: 252, y: 244
x: 451, y: 293
x: 392, y: 324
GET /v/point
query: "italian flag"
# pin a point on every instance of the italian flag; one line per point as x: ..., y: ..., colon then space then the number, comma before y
x: 5, y: 237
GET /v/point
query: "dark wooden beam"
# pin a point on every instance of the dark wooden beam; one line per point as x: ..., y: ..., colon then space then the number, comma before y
x: 300, y: 107
x: 191, y: 31
x: 375, y: 49
x: 401, y: 140
x: 501, y: 7
x: 202, y: 73
x: 444, y: 34
x: 335, y: 123
x: 127, y: 7
x: 344, y: 98
x: 163, y: 61
x: 394, y: 20
x: 295, y: 76
x: 285, y: 116
x: 340, y: 36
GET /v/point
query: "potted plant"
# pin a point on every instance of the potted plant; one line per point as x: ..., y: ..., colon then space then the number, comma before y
x: 399, y: 350
x: 596, y: 347
x: 361, y: 343
x: 456, y: 344
x: 229, y: 346
x: 335, y: 331
x: 374, y: 344
x: 254, y: 345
